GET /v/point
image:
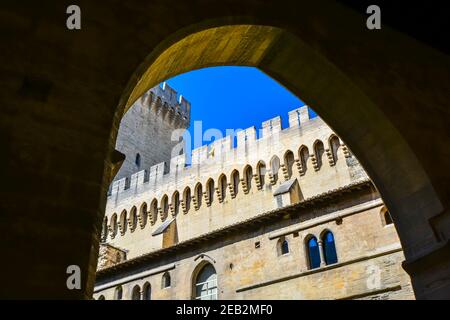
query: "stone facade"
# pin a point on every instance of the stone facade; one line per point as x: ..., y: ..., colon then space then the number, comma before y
x: 250, y: 212
x: 145, y: 132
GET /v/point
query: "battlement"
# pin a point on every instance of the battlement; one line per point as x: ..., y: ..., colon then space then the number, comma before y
x: 221, y: 152
x: 164, y: 100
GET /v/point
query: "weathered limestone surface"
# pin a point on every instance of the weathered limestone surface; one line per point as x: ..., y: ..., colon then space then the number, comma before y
x: 64, y: 93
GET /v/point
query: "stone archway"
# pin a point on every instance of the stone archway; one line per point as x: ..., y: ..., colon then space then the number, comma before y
x: 66, y: 100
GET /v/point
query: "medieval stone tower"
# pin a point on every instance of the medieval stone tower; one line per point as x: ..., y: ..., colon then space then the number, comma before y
x: 145, y: 133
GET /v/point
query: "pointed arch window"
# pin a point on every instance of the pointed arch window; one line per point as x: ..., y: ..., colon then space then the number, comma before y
x: 313, y: 250
x: 199, y: 195
x: 114, y: 226
x: 147, y: 291
x: 154, y: 211
x: 166, y: 280
x: 136, y: 293
x: 118, y: 293
x: 165, y: 205
x: 205, y: 286
x: 329, y: 248
x: 235, y: 180
x: 223, y: 186
x: 176, y: 202
x: 187, y: 199
x: 283, y: 246
x: 334, y: 146
x: 248, y: 177
x: 123, y: 222
x: 133, y: 219
x: 319, y: 151
x: 143, y: 214
x: 289, y: 162
x: 262, y: 173
x: 275, y: 167
x: 304, y: 156
x: 210, y: 190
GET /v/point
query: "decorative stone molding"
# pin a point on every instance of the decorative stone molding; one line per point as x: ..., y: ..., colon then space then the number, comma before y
x: 258, y: 181
x: 183, y: 206
x: 232, y: 191
x: 195, y: 202
x: 152, y: 218
x: 330, y: 157
x: 244, y: 185
x: 162, y: 214
x: 271, y: 178
x: 219, y: 194
x: 207, y: 199
x: 301, y: 170
x: 314, y: 162
x: 346, y: 151
x: 285, y: 171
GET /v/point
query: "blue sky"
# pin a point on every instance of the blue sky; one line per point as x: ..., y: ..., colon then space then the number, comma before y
x: 233, y: 98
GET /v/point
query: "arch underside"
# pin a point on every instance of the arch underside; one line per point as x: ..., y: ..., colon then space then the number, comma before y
x: 385, y: 94
x: 342, y: 99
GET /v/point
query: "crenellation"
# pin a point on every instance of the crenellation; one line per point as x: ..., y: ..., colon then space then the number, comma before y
x: 199, y: 155
x: 250, y: 149
x: 304, y: 115
x: 271, y: 126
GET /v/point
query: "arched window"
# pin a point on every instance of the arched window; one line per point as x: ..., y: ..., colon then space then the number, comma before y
x: 154, y: 211
x: 137, y: 161
x: 312, y: 247
x: 198, y: 195
x: 113, y: 225
x: 235, y: 180
x: 123, y: 222
x: 319, y: 151
x: 283, y: 246
x: 386, y: 217
x: 133, y: 218
x: 146, y: 291
x: 289, y: 162
x: 165, y: 205
x: 104, y: 229
x: 210, y: 190
x: 248, y: 172
x: 261, y: 169
x: 136, y: 293
x: 143, y: 214
x: 275, y: 167
x: 205, y: 285
x: 303, y: 154
x: 223, y: 186
x: 118, y: 293
x: 187, y: 198
x: 329, y: 248
x: 334, y: 146
x: 176, y: 202
x: 101, y: 297
x: 166, y: 281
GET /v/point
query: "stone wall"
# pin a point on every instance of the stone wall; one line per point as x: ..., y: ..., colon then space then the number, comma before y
x: 143, y: 199
x: 249, y: 266
x: 146, y: 129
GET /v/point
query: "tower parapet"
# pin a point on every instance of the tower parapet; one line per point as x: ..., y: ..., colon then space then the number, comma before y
x: 165, y: 101
x: 145, y: 133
